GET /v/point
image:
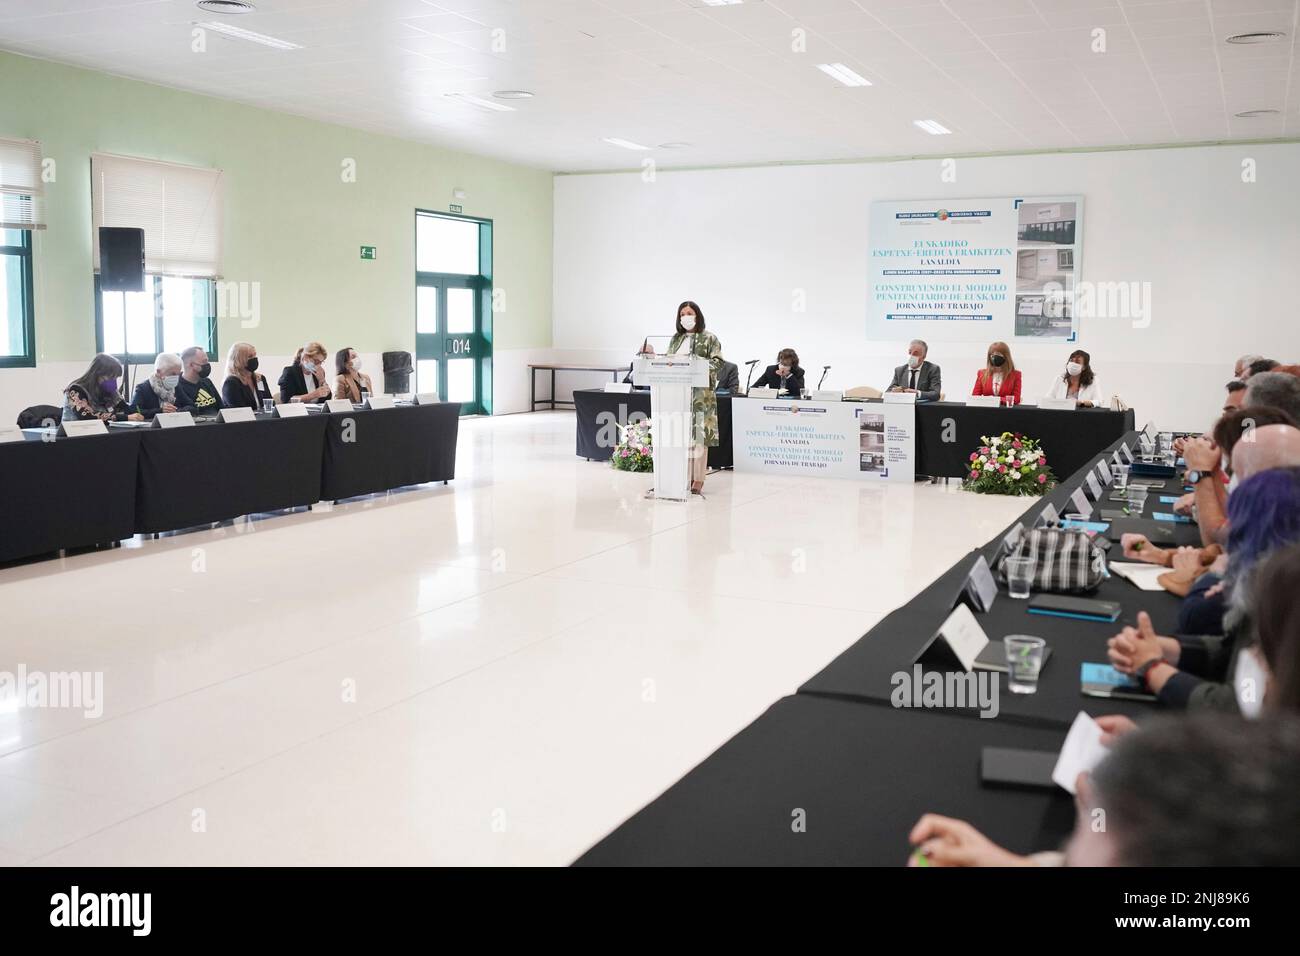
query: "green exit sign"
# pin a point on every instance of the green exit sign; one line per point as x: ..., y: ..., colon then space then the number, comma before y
x: 368, y: 252
x: 455, y: 208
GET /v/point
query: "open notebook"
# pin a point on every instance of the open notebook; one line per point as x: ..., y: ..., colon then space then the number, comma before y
x: 1139, y: 573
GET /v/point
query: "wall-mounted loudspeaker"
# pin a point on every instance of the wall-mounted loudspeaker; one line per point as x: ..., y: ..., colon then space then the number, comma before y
x: 121, y: 259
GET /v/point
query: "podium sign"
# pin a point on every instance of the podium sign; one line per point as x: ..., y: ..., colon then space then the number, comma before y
x: 671, y: 379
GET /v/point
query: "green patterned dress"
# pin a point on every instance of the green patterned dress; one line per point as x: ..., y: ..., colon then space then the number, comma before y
x: 704, y: 403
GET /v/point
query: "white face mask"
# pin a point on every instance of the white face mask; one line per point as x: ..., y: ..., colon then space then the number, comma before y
x: 913, y: 361
x: 688, y: 322
x: 1074, y: 368
x: 171, y: 380
x: 308, y: 365
x: 356, y: 364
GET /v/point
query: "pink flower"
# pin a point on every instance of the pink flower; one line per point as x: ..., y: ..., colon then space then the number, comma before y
x: 974, y: 475
x: 1002, y: 468
x: 1042, y: 479
x: 984, y: 450
x: 1042, y: 462
x: 974, y: 457
x: 1016, y: 444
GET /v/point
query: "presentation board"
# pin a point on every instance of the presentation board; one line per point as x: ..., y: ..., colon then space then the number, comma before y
x: 975, y: 269
x: 874, y: 441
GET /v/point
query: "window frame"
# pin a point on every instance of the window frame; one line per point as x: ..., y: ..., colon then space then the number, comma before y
x: 27, y: 358
x: 139, y: 358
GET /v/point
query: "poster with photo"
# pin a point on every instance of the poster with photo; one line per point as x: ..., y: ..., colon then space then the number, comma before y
x: 975, y: 269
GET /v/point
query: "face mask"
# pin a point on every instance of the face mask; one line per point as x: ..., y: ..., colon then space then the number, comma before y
x: 251, y: 364
x: 206, y: 370
x: 171, y: 380
x: 109, y: 386
x: 688, y: 322
x: 308, y: 365
x: 997, y: 360
x: 1074, y: 368
x: 913, y: 361
x: 356, y: 365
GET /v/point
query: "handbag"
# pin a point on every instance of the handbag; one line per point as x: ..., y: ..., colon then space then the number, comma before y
x: 1118, y: 404
x: 1065, y: 561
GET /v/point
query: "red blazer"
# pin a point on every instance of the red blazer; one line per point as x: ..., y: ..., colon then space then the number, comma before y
x: 1010, y: 385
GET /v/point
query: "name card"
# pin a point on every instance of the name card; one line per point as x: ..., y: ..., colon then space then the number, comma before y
x: 10, y: 433
x: 1127, y: 452
x: 980, y: 586
x: 984, y: 401
x: 338, y: 405
x: 1094, y: 486
x: 623, y: 387
x: 1103, y: 471
x: 80, y: 429
x: 291, y: 410
x: 173, y: 420
x: 963, y: 635
x: 899, y: 398
x: 827, y: 395
x: 761, y: 393
x: 431, y: 398
x: 381, y: 401
x: 1060, y: 404
x: 1080, y: 501
x: 237, y: 415
x: 1012, y: 540
x: 1047, y: 517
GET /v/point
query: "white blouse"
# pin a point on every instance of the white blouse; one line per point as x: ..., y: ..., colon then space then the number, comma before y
x: 1087, y: 393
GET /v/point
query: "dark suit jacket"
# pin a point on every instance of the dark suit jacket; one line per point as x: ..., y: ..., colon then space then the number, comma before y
x: 728, y: 377
x: 769, y: 379
x: 293, y: 381
x: 235, y: 394
x: 146, y: 401
x: 929, y: 382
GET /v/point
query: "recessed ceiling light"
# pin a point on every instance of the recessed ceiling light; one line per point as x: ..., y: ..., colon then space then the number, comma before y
x: 673, y: 146
x: 625, y: 143
x: 842, y: 73
x: 238, y: 33
x: 225, y: 6
x: 721, y: 3
x: 480, y: 102
x: 513, y: 95
x: 1251, y: 114
x: 933, y: 128
x: 1261, y: 37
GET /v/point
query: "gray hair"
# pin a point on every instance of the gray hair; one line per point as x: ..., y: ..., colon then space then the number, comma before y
x: 921, y: 342
x: 166, y: 360
x: 1279, y: 389
x: 190, y: 352
x: 1246, y: 361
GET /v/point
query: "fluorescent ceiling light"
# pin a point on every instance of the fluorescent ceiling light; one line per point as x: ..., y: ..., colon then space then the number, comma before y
x: 625, y: 143
x: 839, y: 71
x: 481, y: 102
x: 1261, y: 37
x: 239, y: 33
x: 721, y: 3
x: 1255, y: 114
x: 933, y: 128
x: 513, y: 95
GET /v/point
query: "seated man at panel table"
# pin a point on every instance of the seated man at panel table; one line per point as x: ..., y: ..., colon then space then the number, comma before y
x: 728, y: 377
x: 195, y: 392
x: 918, y: 375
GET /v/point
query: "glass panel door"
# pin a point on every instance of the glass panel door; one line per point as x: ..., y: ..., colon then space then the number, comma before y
x: 449, y: 339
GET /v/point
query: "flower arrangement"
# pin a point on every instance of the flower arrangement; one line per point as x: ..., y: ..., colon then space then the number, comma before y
x: 1009, y: 464
x: 633, y: 451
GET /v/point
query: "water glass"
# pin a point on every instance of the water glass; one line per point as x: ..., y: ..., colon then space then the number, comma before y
x: 1137, y: 500
x: 1020, y: 576
x: 1010, y: 401
x: 1121, y: 477
x: 1024, y: 662
x: 268, y: 406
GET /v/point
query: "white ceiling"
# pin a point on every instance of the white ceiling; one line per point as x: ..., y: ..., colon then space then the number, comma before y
x: 1002, y: 74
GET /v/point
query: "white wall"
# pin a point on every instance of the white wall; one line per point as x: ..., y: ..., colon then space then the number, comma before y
x: 1222, y: 258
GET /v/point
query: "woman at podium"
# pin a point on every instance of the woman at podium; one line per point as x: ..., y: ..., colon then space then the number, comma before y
x: 693, y: 339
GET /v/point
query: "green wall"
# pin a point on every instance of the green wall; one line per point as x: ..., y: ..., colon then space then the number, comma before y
x: 291, y: 223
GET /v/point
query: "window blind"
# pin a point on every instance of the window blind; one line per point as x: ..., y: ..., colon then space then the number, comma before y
x: 22, y: 193
x: 178, y: 207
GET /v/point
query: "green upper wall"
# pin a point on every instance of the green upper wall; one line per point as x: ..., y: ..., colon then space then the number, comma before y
x: 291, y: 223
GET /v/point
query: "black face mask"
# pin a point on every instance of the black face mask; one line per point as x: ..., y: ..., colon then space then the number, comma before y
x: 206, y: 370
x: 252, y: 364
x: 997, y: 360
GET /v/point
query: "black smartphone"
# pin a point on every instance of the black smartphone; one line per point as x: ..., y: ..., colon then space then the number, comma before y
x: 1008, y: 767
x: 1062, y: 605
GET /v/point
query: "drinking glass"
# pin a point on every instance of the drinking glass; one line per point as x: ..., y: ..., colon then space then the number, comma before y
x: 268, y: 406
x: 1121, y: 477
x: 1024, y: 662
x: 1137, y: 500
x: 1020, y: 577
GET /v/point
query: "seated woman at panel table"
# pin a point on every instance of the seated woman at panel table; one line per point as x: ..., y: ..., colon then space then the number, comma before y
x: 95, y: 395
x: 157, y: 393
x: 785, y: 376
x: 244, y: 387
x: 1000, y: 376
x: 1078, y: 382
x: 304, y: 380
x: 350, y: 381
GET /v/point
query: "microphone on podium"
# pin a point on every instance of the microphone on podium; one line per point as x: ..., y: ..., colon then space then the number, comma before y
x: 825, y: 369
x: 751, y: 363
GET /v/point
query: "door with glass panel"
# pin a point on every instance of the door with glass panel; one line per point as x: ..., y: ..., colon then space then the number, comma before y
x: 453, y: 346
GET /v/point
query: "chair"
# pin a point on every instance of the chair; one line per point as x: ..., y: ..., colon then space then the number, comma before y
x: 862, y: 391
x: 36, y: 416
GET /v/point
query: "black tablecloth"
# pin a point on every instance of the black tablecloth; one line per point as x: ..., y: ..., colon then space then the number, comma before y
x: 1069, y: 438
x: 369, y: 451
x: 66, y: 493
x: 214, y: 471
x: 596, y: 437
x: 861, y: 774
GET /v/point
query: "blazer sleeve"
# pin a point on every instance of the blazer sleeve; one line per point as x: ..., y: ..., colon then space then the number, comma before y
x: 291, y: 383
x: 232, y: 393
x: 1016, y: 381
x: 145, y: 401
x: 766, y: 380
x: 934, y: 385
x: 979, y: 383
x: 796, y: 380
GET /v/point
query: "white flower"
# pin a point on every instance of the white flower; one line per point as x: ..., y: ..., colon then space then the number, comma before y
x: 1013, y: 475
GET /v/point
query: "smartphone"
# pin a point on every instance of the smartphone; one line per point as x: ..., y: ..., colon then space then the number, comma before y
x: 1008, y: 767
x: 1062, y: 605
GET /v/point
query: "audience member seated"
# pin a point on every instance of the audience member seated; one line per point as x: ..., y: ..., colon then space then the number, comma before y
x: 349, y: 380
x: 244, y: 386
x: 1243, y: 365
x: 1211, y: 790
x: 157, y: 393
x: 999, y: 377
x: 95, y: 395
x: 1078, y: 382
x: 195, y: 392
x: 1277, y: 609
x: 304, y: 380
x: 917, y: 375
x: 1258, y: 366
x: 1236, y: 397
x: 1277, y: 389
x: 728, y: 377
x: 785, y: 376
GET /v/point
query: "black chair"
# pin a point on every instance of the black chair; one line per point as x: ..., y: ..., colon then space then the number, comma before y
x: 37, y: 416
x: 397, y: 372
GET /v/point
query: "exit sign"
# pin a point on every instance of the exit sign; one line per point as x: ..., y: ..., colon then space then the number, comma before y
x: 455, y: 208
x: 368, y: 252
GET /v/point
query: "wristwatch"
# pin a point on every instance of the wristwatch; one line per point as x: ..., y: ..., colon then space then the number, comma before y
x: 1194, y: 477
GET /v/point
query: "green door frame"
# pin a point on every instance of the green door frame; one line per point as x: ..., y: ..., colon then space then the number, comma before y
x: 441, y: 346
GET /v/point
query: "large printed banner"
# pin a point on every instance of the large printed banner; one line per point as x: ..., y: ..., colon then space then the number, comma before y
x: 871, y: 440
x: 974, y: 269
